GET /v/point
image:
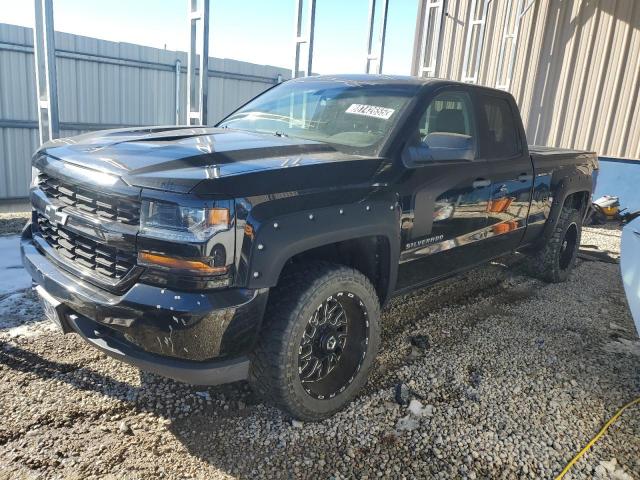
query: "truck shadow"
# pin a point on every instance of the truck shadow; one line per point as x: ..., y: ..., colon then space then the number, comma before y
x: 151, y: 395
x: 191, y: 412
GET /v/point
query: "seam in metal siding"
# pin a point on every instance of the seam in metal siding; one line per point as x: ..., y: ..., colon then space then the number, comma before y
x: 104, y: 83
x: 576, y: 74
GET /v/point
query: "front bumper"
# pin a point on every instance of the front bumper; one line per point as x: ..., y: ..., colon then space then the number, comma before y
x: 198, y: 338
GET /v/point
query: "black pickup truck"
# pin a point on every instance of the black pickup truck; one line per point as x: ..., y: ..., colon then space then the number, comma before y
x: 263, y: 248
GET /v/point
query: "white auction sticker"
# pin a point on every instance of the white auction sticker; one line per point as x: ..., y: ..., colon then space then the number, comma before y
x: 370, y: 111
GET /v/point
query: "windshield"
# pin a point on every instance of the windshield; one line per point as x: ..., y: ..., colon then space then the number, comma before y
x: 351, y: 115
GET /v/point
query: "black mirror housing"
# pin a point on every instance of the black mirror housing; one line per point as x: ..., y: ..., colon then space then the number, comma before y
x: 441, y: 147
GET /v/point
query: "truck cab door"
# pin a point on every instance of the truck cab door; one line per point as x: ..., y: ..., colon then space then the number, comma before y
x: 504, y: 148
x: 445, y: 193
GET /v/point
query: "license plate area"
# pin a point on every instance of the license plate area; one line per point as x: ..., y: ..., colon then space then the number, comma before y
x: 53, y: 309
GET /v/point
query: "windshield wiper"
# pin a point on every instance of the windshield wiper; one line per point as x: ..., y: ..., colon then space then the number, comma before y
x: 280, y: 134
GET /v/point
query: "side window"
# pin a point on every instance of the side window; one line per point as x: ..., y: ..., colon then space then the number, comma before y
x: 502, y: 139
x: 448, y: 112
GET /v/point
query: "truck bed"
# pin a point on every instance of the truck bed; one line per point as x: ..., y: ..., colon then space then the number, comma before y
x: 547, y: 159
x: 540, y: 150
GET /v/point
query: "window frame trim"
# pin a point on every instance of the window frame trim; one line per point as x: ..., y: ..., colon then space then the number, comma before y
x: 461, y: 90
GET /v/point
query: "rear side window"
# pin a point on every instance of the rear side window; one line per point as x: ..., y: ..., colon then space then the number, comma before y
x: 502, y: 137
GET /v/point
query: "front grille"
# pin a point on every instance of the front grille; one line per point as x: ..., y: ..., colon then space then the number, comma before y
x: 84, y: 252
x: 107, y: 207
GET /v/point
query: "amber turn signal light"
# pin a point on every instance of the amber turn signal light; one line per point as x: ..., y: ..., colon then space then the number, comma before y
x: 154, y: 259
x: 218, y: 216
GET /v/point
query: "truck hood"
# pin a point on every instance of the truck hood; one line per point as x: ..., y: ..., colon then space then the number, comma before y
x: 212, y: 160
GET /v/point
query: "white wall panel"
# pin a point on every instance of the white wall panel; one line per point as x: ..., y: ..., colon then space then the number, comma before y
x: 104, y: 84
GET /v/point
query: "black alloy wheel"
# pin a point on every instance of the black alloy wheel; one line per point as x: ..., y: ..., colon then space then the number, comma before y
x: 568, y: 246
x: 319, y: 340
x: 333, y: 345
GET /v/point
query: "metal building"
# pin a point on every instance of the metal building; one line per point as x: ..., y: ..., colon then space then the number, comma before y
x: 103, y: 84
x: 572, y: 65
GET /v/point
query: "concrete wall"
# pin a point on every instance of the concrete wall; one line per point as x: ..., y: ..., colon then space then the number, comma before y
x: 101, y: 85
x: 577, y: 68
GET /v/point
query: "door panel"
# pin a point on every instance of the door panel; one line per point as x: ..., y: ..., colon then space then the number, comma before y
x: 509, y: 203
x: 511, y: 171
x: 444, y: 198
x: 444, y: 218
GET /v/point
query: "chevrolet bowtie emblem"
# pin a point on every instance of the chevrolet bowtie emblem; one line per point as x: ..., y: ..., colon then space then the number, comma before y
x: 55, y: 215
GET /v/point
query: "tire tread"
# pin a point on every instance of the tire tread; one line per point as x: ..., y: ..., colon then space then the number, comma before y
x: 268, y: 374
x: 543, y: 263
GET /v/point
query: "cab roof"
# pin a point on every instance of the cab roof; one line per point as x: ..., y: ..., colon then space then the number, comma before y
x: 372, y: 79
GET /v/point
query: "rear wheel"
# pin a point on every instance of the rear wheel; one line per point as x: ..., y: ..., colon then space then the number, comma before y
x: 320, y: 338
x: 554, y: 262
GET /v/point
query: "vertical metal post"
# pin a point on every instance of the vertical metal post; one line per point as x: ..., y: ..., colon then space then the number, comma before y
x: 45, y: 62
x: 512, y: 36
x: 297, y: 38
x: 430, y: 38
x: 301, y: 39
x: 198, y: 89
x: 377, y: 53
x: 481, y: 23
x: 311, y: 28
x: 177, y: 94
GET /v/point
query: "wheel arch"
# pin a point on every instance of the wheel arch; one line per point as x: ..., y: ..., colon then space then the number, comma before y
x: 370, y: 255
x: 364, y: 236
x: 575, y: 192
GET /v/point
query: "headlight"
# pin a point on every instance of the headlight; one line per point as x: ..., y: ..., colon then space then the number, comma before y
x: 34, y: 177
x: 181, y: 223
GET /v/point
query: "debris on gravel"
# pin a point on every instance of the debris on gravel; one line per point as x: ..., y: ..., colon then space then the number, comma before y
x: 420, y: 341
x: 518, y: 377
x: 402, y: 393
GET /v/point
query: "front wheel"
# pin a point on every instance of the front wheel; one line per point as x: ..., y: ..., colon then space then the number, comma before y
x: 554, y: 262
x: 319, y: 340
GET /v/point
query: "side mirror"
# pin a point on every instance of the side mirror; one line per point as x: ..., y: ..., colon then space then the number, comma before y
x: 442, y: 147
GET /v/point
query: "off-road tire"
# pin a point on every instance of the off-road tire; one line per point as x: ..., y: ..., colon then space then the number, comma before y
x: 552, y: 263
x: 274, y: 371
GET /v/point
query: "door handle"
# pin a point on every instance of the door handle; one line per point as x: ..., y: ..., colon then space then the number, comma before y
x: 481, y: 183
x: 525, y: 177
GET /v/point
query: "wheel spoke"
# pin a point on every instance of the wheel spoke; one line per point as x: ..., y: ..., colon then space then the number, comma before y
x: 342, y: 339
x: 332, y: 360
x: 324, y: 341
x: 308, y: 336
x: 314, y: 320
x: 305, y: 351
x: 325, y: 307
x: 341, y: 319
x: 307, y: 373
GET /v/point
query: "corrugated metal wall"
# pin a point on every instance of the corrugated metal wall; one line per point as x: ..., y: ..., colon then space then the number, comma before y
x: 577, y: 68
x: 104, y: 84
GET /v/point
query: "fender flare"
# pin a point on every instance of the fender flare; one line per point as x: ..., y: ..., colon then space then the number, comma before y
x: 576, y: 183
x: 280, y: 238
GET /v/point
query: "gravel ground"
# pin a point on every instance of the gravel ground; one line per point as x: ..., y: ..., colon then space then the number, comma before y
x: 510, y: 377
x: 13, y: 222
